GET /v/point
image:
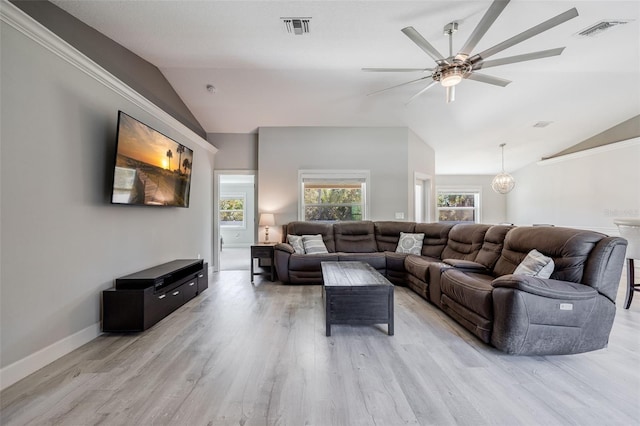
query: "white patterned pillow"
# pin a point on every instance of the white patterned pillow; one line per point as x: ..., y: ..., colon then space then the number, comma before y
x: 313, y: 244
x: 535, y: 264
x: 410, y: 243
x: 296, y: 243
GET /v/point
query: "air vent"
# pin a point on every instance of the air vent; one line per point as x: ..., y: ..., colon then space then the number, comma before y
x: 541, y: 124
x: 600, y: 27
x: 296, y: 26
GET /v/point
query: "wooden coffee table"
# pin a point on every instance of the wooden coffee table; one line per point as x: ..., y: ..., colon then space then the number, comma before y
x: 355, y: 293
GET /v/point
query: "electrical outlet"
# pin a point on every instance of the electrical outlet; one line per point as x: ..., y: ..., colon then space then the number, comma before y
x: 399, y: 215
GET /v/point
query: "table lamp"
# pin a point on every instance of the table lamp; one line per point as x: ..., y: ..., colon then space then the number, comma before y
x: 266, y: 220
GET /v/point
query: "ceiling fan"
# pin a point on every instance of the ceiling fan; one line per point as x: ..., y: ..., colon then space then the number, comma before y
x: 453, y: 69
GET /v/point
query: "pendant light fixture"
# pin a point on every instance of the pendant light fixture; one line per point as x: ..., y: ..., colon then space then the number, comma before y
x: 503, y: 182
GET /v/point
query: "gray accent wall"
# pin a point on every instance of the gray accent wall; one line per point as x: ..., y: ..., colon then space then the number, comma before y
x: 137, y: 73
x: 237, y: 151
x: 62, y: 242
x: 384, y: 151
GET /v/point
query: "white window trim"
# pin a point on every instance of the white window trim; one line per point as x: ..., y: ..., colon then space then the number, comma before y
x: 461, y: 189
x: 334, y: 174
x: 235, y: 196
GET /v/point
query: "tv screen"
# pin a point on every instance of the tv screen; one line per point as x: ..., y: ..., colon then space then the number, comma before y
x: 151, y: 169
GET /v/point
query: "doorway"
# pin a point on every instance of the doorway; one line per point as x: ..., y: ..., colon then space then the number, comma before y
x: 234, y: 219
x: 422, y: 198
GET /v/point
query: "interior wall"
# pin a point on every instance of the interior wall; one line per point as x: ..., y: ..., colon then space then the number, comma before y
x: 285, y: 150
x: 241, y: 236
x: 422, y: 160
x: 493, y: 206
x: 585, y: 190
x: 136, y: 72
x: 236, y: 151
x: 62, y: 241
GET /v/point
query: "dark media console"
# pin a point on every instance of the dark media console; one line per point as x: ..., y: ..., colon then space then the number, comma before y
x: 141, y: 299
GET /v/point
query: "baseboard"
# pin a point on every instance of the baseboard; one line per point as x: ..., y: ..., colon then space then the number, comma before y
x: 34, y: 362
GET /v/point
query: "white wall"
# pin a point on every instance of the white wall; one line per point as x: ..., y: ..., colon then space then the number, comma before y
x: 62, y: 241
x: 493, y: 206
x: 245, y: 236
x: 421, y: 160
x: 285, y: 150
x: 582, y: 190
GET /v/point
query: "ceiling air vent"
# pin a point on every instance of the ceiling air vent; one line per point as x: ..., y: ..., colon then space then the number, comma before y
x: 599, y: 27
x: 296, y: 26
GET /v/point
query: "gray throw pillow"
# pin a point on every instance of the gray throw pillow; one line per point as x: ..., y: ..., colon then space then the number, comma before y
x: 535, y: 264
x: 313, y: 244
x: 296, y: 243
x: 410, y: 243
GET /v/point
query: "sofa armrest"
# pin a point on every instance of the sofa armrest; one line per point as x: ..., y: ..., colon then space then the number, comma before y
x: 467, y: 265
x: 552, y: 289
x: 284, y: 247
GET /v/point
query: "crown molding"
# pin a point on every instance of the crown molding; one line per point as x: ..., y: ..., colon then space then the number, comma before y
x: 16, y: 18
x: 591, y: 151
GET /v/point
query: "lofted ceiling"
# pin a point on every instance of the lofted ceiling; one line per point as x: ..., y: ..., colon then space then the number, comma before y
x: 265, y: 76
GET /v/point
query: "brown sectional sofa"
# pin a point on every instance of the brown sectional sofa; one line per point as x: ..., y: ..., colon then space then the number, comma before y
x: 467, y: 271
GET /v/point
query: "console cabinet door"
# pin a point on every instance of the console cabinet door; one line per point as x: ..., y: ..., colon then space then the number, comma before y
x: 203, y: 278
x: 190, y: 288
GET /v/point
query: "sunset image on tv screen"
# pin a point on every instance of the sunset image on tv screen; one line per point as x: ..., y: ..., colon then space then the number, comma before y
x: 151, y: 169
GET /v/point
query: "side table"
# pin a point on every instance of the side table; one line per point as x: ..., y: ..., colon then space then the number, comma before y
x: 263, y: 251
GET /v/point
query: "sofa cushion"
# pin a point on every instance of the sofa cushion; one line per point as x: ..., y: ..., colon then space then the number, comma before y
x: 296, y: 242
x: 395, y: 261
x: 418, y: 266
x: 569, y: 248
x: 492, y: 245
x: 535, y: 264
x: 410, y: 243
x: 310, y: 262
x: 435, y: 238
x: 355, y: 237
x: 313, y: 244
x: 313, y: 228
x: 465, y: 241
x: 470, y: 290
x: 387, y: 233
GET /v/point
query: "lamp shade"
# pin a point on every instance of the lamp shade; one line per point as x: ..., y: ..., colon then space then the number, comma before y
x: 267, y: 219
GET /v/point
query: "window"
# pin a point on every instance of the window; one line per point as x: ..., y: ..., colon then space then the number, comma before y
x: 456, y: 205
x: 232, y: 211
x: 333, y: 195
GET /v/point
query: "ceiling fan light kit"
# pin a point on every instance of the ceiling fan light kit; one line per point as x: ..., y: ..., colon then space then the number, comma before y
x: 450, y: 71
x: 503, y: 182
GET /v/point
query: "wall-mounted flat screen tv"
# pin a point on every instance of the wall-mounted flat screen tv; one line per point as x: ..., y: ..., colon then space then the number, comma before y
x: 151, y: 169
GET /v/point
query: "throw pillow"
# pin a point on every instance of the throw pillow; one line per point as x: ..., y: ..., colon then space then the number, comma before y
x: 410, y: 243
x: 536, y: 264
x: 296, y: 243
x: 313, y: 244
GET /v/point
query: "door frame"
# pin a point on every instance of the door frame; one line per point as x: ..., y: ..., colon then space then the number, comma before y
x: 216, y: 203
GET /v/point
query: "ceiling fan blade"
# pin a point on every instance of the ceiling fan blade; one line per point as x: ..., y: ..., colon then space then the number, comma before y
x: 398, y: 85
x: 423, y: 44
x: 429, y: 86
x: 485, y: 23
x: 396, y: 69
x: 546, y: 25
x: 519, y: 58
x: 483, y: 78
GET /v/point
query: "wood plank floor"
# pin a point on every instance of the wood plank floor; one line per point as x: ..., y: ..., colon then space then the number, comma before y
x: 243, y: 354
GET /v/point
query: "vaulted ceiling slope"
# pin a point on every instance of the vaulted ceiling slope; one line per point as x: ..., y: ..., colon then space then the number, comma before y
x: 265, y: 76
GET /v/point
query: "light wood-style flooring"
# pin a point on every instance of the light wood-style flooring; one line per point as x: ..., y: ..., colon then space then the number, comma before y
x: 243, y: 354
